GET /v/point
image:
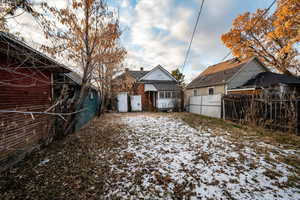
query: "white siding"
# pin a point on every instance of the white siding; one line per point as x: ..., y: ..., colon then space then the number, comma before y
x: 150, y: 87
x: 158, y: 74
x: 252, y: 69
x: 165, y: 103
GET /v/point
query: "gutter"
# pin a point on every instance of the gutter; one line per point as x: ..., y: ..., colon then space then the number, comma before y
x: 241, y: 89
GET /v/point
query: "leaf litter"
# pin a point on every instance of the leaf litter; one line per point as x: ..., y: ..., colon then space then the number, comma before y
x: 147, y: 156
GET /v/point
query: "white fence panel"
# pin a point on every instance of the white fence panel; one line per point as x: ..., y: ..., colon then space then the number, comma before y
x: 209, y: 105
x: 123, y: 102
x: 195, y: 104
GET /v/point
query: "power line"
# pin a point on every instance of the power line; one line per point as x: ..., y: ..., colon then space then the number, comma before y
x: 195, y: 28
x: 258, y: 19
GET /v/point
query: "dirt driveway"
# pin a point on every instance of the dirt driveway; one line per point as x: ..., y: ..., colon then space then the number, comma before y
x: 156, y: 156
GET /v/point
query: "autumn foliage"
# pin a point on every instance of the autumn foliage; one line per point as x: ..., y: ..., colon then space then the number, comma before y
x: 273, y: 38
x: 87, y: 34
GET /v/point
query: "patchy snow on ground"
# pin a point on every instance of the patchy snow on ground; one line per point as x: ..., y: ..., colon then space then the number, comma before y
x: 165, y: 158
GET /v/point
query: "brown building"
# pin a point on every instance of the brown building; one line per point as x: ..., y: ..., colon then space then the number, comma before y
x: 158, y: 89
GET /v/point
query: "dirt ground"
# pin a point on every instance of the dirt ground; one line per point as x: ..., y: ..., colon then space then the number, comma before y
x: 160, y: 156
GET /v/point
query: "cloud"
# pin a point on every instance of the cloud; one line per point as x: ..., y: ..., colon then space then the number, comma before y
x: 158, y: 32
x: 176, y: 21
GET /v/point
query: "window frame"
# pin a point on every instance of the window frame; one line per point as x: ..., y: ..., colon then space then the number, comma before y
x: 195, y: 92
x: 162, y: 95
x: 213, y: 91
x: 168, y: 94
x: 174, y: 95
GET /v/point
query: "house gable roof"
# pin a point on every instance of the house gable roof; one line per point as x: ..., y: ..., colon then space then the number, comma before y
x: 220, y: 73
x: 137, y: 74
x: 158, y: 73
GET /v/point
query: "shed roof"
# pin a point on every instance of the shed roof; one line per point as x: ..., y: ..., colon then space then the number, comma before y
x: 219, y: 74
x: 266, y: 79
x: 74, y: 77
x: 20, y: 48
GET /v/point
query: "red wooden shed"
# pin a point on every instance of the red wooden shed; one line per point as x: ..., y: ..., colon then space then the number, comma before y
x: 26, y: 85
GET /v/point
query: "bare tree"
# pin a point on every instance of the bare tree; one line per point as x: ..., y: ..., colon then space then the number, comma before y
x: 86, y: 33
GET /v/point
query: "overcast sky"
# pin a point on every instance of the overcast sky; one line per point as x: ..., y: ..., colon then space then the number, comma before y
x: 158, y: 31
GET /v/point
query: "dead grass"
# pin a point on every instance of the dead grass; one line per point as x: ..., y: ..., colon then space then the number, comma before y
x: 242, y: 132
x: 271, y: 174
x: 293, y: 181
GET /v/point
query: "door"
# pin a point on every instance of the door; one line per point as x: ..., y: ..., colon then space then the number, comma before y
x: 123, y: 102
x: 136, y: 103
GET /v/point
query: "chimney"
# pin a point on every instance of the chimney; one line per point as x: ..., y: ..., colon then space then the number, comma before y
x: 142, y: 68
x: 126, y: 69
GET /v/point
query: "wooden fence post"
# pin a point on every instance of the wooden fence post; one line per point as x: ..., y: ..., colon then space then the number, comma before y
x: 223, y: 111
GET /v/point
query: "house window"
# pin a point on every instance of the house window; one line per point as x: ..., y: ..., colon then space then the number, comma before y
x: 174, y: 95
x: 168, y: 95
x: 210, y: 91
x: 161, y: 95
x: 195, y: 93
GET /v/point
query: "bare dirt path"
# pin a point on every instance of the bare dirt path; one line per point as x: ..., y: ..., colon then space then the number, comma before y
x: 157, y: 156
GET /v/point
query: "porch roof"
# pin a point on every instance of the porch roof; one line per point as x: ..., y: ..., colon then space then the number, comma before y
x: 166, y: 86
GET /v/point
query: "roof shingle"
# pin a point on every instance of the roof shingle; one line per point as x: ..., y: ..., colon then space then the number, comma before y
x: 166, y: 86
x: 218, y: 74
x: 267, y: 79
x: 137, y: 74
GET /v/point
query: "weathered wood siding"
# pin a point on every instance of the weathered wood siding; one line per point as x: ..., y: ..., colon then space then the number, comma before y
x: 24, y: 90
x: 256, y: 91
x: 249, y: 71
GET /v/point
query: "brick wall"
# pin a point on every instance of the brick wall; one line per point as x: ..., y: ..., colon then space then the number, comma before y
x: 139, y: 90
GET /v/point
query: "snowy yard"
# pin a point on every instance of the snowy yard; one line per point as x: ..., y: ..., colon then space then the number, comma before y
x: 160, y: 156
x: 166, y: 158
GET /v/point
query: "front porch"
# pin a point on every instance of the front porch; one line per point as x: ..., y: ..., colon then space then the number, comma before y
x: 162, y: 100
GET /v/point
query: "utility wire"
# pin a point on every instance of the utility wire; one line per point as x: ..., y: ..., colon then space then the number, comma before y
x: 195, y: 28
x: 258, y: 19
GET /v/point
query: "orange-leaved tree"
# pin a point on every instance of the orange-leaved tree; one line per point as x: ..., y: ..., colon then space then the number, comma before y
x: 80, y: 31
x: 257, y: 34
x: 287, y: 23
